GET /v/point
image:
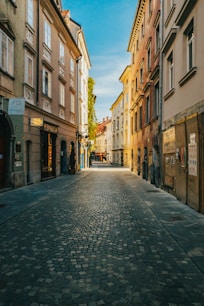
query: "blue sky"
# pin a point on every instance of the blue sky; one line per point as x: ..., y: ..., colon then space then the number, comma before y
x: 107, y: 26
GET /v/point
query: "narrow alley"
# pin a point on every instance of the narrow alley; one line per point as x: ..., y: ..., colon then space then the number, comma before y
x: 100, y: 237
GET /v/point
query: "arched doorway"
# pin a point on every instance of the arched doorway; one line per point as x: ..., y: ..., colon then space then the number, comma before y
x: 6, y: 149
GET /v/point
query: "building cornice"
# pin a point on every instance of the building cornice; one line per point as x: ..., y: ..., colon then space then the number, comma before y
x: 136, y: 24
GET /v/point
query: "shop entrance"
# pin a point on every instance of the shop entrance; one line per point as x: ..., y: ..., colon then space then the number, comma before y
x: 48, y: 155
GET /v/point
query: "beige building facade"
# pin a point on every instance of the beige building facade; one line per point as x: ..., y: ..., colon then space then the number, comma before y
x: 38, y: 93
x: 183, y: 101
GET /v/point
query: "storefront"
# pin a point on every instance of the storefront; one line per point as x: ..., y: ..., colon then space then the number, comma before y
x: 48, y: 150
x: 182, y: 155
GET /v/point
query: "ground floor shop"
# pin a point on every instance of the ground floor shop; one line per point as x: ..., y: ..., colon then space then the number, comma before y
x: 183, y: 160
x: 34, y: 145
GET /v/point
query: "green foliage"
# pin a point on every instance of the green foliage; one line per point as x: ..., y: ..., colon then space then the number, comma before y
x: 92, y: 121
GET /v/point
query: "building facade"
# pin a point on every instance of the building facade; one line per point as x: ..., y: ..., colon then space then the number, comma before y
x: 102, y: 141
x: 125, y: 79
x: 117, y: 110
x: 144, y: 45
x: 183, y: 101
x: 83, y: 67
x: 38, y: 120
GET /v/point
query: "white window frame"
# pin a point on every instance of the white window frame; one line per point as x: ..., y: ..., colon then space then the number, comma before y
x: 30, y: 11
x: 6, y: 53
x: 190, y: 49
x: 47, y: 33
x: 61, y: 94
x: 47, y: 82
x: 29, y: 59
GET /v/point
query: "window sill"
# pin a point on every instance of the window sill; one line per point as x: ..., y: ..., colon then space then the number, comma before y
x: 169, y: 94
x: 188, y: 76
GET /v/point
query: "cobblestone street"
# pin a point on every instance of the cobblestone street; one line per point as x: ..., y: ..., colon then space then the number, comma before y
x: 99, y: 238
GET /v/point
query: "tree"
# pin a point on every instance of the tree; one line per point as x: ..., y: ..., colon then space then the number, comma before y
x: 92, y: 121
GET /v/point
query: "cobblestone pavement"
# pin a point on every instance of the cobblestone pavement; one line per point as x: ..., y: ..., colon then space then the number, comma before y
x: 99, y: 238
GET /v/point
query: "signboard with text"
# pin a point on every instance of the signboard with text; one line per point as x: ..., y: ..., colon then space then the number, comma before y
x: 16, y: 106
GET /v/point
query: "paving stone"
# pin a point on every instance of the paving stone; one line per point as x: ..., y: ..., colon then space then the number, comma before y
x: 99, y: 238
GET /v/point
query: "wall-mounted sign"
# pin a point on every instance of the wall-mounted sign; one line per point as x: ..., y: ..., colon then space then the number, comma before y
x: 169, y: 141
x: 16, y: 106
x: 192, y: 159
x: 36, y: 121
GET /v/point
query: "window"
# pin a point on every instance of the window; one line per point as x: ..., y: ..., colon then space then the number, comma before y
x: 6, y: 53
x: 30, y: 12
x: 28, y: 68
x: 47, y: 33
x: 157, y: 38
x: 61, y: 94
x: 72, y: 66
x: 189, y: 32
x: 61, y: 52
x: 47, y: 82
x: 170, y: 70
x: 136, y: 122
x: 140, y: 110
x: 136, y: 84
x: 72, y: 106
x: 150, y: 7
x: 141, y: 75
x: 149, y: 59
x: 147, y: 111
x: 156, y: 99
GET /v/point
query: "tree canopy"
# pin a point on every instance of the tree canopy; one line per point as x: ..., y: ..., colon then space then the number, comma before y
x: 92, y: 120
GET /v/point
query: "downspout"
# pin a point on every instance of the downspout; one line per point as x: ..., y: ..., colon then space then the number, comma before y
x: 38, y: 50
x: 77, y: 108
x: 161, y: 93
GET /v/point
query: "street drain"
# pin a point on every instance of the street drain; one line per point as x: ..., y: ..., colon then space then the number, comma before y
x: 175, y: 218
x: 156, y: 190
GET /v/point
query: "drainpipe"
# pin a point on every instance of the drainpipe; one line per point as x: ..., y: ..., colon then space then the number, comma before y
x: 77, y: 108
x: 161, y: 92
x: 38, y: 50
